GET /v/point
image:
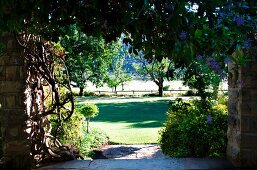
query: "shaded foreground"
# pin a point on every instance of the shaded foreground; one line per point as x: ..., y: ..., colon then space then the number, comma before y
x: 142, y: 164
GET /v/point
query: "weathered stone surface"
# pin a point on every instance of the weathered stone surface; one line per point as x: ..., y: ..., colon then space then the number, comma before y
x: 242, y: 120
x: 12, y: 117
x: 249, y: 140
x: 2, y: 73
x: 11, y: 87
x: 233, y: 154
x: 248, y: 158
x: 253, y: 124
x: 245, y: 126
x: 248, y: 107
x: 10, y: 101
x: 16, y: 149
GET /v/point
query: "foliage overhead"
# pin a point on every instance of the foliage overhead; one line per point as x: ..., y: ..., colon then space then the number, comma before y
x: 176, y: 29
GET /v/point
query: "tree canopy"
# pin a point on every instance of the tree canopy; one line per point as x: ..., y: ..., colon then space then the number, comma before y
x: 172, y: 28
x: 87, y: 58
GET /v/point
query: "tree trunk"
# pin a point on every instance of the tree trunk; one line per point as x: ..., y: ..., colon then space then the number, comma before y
x: 159, y: 83
x: 160, y: 90
x: 81, y: 91
x: 122, y: 85
x: 115, y: 89
x: 88, y: 119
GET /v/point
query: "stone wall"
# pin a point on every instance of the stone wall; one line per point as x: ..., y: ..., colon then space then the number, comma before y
x: 13, y: 116
x: 242, y: 119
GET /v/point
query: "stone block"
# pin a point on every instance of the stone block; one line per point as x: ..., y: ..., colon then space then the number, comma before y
x: 14, y: 131
x: 254, y: 68
x: 2, y: 73
x: 253, y: 125
x: 249, y: 140
x: 247, y: 107
x: 19, y: 100
x: 2, y: 60
x: 14, y: 59
x: 10, y: 101
x: 21, y: 73
x: 12, y: 86
x: 13, y: 117
x: 14, y: 146
x: 2, y: 101
x: 245, y: 94
x: 248, y: 158
x: 11, y: 73
x: 250, y: 83
x: 245, y: 127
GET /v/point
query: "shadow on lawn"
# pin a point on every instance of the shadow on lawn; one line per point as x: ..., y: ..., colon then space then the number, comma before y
x: 147, y: 124
x: 139, y: 114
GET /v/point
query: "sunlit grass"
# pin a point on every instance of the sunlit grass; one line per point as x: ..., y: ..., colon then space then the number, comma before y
x: 131, y: 122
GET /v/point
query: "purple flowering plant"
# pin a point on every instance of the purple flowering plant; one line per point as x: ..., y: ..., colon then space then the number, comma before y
x: 209, y: 119
x: 183, y: 35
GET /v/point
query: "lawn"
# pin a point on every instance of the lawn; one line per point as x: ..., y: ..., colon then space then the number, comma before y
x: 131, y: 122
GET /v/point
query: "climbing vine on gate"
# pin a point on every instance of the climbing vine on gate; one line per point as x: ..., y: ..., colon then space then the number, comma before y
x: 47, y: 74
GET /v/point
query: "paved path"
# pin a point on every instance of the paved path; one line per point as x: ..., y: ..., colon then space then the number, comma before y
x: 132, y: 152
x: 139, y: 157
x: 142, y: 164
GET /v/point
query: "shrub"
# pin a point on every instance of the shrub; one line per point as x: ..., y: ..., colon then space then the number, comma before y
x: 192, y: 130
x: 88, y: 110
x: 73, y: 132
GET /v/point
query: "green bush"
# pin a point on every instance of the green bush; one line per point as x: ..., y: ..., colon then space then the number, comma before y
x: 73, y: 132
x: 89, y: 110
x: 194, y: 131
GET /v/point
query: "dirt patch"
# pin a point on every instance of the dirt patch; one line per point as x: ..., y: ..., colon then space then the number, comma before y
x: 130, y: 152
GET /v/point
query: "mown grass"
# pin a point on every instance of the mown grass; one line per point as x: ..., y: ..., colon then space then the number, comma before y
x: 131, y: 122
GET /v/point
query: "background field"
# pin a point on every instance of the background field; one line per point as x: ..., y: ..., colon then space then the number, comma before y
x: 131, y: 122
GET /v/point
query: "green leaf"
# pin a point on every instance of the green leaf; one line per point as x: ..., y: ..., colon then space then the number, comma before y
x: 198, y: 33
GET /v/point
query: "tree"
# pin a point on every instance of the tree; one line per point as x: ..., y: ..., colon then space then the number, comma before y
x: 87, y: 58
x: 118, y: 73
x: 155, y: 70
x: 88, y: 110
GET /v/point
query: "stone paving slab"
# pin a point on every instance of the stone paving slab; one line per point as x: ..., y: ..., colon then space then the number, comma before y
x: 142, y: 164
x: 133, y: 152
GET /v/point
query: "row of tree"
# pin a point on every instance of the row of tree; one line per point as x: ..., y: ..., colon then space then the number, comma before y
x: 91, y: 59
